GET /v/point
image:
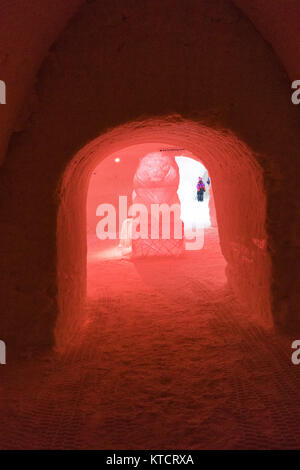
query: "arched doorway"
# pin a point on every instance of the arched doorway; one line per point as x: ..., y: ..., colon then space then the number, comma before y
x: 247, y: 94
x: 241, y: 214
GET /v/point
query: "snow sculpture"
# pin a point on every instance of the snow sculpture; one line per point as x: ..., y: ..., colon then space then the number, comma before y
x: 155, y: 186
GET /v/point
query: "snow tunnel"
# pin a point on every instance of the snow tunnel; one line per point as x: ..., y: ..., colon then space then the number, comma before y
x: 232, y: 217
x: 142, y: 207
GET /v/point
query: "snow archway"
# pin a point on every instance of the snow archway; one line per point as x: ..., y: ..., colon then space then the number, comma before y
x: 241, y: 215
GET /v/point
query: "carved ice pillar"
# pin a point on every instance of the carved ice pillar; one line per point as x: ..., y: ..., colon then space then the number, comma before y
x: 155, y: 187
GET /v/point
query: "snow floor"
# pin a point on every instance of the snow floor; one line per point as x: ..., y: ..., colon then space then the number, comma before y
x: 168, y: 360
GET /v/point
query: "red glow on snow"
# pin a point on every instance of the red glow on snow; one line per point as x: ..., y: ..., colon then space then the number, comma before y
x: 92, y: 269
x: 108, y: 182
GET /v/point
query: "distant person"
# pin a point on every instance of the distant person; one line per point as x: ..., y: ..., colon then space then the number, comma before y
x: 200, y: 189
x: 208, y: 181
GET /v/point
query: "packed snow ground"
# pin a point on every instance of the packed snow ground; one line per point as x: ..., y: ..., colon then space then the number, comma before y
x: 168, y: 360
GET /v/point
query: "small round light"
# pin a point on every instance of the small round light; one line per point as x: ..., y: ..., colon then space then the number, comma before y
x: 117, y: 160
